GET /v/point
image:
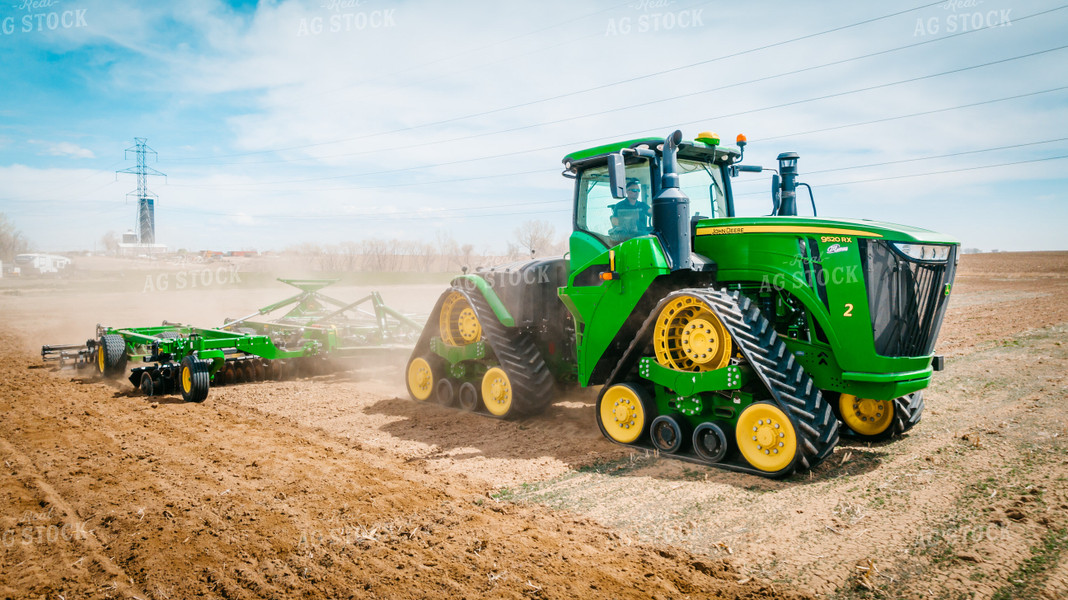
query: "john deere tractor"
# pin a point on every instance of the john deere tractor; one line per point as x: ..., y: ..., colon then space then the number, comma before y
x: 738, y: 342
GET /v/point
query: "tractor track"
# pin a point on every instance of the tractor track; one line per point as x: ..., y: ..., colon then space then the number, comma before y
x: 519, y: 357
x: 533, y: 384
x: 783, y: 378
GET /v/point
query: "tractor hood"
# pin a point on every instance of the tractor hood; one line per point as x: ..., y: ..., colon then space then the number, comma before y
x: 822, y: 227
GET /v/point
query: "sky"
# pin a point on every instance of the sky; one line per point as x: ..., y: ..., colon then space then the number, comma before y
x: 280, y: 123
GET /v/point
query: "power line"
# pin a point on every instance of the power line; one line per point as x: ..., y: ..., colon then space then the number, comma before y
x: 408, y: 216
x: 636, y: 132
x: 650, y: 102
x: 590, y: 89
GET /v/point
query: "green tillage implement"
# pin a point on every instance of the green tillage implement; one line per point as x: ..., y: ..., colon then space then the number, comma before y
x: 190, y: 359
x: 744, y: 343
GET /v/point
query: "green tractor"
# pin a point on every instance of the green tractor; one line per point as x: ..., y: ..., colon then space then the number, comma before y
x: 738, y: 342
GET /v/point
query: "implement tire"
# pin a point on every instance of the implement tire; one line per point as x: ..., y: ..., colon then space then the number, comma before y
x: 111, y: 355
x: 193, y: 379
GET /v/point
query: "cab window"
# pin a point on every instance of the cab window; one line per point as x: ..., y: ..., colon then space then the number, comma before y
x: 614, y: 221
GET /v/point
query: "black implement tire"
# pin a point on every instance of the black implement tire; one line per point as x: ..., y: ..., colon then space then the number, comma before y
x: 111, y: 355
x: 193, y: 379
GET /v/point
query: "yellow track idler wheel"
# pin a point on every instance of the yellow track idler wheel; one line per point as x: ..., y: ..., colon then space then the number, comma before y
x: 421, y: 379
x: 458, y: 323
x: 497, y: 392
x: 766, y: 437
x: 689, y: 337
x: 866, y: 417
x: 624, y: 412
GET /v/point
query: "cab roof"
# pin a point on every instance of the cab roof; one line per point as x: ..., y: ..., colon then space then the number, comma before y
x: 687, y: 149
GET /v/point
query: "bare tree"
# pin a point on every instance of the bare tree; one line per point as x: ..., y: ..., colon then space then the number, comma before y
x: 536, y: 236
x: 110, y: 242
x: 12, y: 242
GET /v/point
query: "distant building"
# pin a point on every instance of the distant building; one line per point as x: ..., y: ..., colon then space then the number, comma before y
x: 41, y: 263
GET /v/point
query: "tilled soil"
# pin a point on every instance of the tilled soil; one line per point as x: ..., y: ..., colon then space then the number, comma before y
x: 339, y: 486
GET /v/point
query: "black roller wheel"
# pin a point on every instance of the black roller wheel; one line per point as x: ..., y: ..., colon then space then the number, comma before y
x: 710, y: 442
x: 469, y: 396
x: 193, y: 379
x: 444, y: 392
x: 111, y: 355
x: 148, y: 386
x: 669, y: 433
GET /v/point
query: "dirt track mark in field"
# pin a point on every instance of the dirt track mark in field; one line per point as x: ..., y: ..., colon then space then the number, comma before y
x: 211, y: 499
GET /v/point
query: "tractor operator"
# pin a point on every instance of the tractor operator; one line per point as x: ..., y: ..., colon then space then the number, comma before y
x: 630, y: 216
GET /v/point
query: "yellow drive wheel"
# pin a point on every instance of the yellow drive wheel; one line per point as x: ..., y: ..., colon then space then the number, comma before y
x: 766, y: 437
x: 458, y: 323
x: 101, y: 359
x: 420, y: 379
x: 689, y: 337
x: 622, y: 413
x: 865, y: 416
x: 497, y: 394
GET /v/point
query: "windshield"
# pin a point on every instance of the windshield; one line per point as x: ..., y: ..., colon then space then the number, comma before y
x: 614, y: 220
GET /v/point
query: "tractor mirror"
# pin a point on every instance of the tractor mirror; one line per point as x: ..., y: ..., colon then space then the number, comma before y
x: 775, y: 194
x: 617, y: 175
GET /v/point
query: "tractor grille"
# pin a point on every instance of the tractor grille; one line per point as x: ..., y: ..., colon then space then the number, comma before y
x: 907, y: 298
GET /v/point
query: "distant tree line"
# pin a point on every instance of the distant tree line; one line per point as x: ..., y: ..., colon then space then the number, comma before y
x: 444, y: 253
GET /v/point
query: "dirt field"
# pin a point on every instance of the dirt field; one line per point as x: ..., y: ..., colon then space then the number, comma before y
x: 339, y: 486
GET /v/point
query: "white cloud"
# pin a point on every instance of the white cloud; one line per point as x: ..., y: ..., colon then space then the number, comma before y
x: 69, y: 149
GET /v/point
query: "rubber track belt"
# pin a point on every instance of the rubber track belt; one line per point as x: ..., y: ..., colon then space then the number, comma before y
x: 532, y: 382
x: 787, y: 384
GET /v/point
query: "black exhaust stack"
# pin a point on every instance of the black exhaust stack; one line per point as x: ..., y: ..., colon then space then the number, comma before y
x: 787, y: 200
x: 671, y: 209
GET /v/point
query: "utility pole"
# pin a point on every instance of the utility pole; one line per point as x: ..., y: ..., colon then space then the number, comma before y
x: 146, y: 200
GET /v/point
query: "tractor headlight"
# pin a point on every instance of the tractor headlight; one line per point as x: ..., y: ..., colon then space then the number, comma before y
x: 923, y: 252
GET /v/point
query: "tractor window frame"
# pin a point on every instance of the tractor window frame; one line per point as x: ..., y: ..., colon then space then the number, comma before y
x: 593, y: 212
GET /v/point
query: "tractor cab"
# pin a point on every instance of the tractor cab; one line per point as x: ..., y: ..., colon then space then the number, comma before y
x: 610, y: 217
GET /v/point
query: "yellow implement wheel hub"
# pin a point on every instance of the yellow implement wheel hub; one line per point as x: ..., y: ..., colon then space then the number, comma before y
x: 187, y: 379
x: 497, y: 391
x: 864, y: 415
x: 420, y: 378
x: 101, y: 358
x: 766, y: 437
x: 458, y: 323
x: 689, y: 337
x: 622, y: 414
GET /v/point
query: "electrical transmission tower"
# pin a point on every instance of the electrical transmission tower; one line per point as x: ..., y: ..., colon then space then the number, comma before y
x: 146, y: 200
